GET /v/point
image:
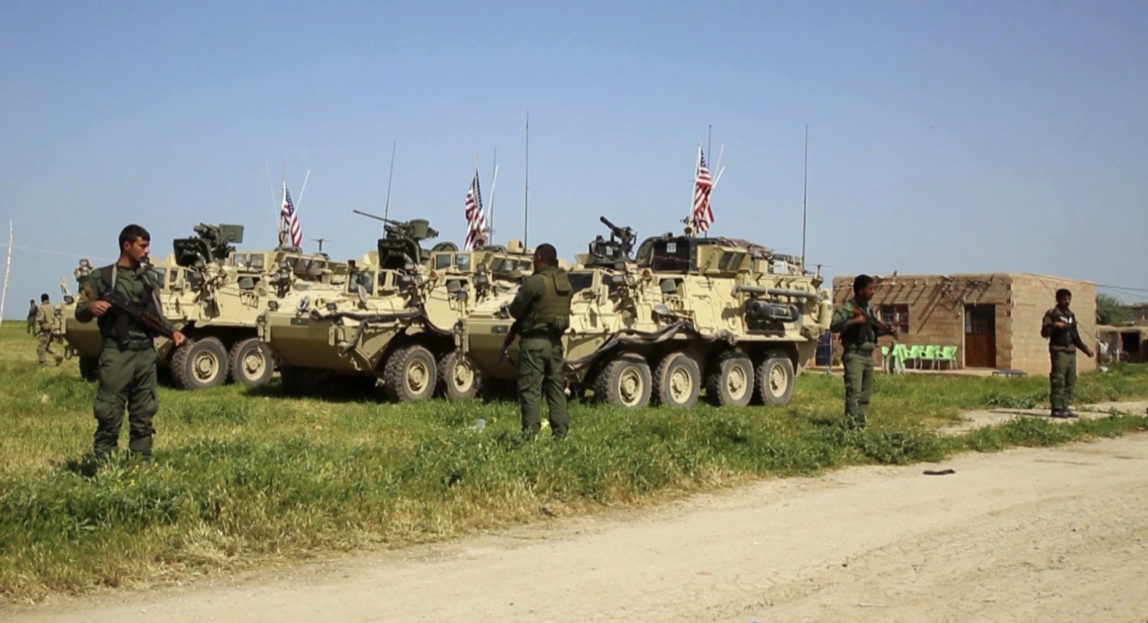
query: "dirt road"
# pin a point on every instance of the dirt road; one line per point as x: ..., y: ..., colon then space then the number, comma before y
x: 1025, y: 535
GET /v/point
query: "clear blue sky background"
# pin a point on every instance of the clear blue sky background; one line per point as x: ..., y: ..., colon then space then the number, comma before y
x: 944, y: 136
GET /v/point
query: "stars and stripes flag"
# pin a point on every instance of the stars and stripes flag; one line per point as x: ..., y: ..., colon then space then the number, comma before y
x: 291, y: 218
x: 703, y: 213
x: 475, y: 218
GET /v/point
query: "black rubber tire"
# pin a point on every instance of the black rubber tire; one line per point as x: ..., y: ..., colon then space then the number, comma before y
x: 459, y: 379
x: 199, y: 364
x: 774, y: 379
x: 677, y: 381
x: 90, y: 368
x: 729, y: 380
x: 410, y: 374
x: 251, y: 362
x: 625, y: 382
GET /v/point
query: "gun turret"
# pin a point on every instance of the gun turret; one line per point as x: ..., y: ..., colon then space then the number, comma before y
x: 617, y: 248
x: 212, y: 243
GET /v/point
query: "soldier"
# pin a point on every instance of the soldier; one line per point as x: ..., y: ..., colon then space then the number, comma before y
x: 127, y: 373
x: 1060, y: 327
x: 541, y: 310
x: 33, y: 312
x: 859, y: 332
x: 46, y: 319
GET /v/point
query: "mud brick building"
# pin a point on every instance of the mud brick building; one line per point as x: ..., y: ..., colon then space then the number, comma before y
x: 993, y: 319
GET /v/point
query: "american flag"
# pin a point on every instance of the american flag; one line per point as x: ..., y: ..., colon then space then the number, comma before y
x: 703, y: 214
x: 291, y: 218
x: 475, y: 219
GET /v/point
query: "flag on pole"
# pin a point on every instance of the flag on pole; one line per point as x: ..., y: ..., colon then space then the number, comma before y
x: 475, y: 219
x: 703, y: 214
x: 291, y: 218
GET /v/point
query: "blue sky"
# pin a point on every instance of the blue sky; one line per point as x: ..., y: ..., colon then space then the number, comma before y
x: 944, y: 136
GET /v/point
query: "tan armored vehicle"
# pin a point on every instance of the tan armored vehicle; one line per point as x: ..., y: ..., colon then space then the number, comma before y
x: 397, y: 321
x: 686, y: 314
x: 213, y: 294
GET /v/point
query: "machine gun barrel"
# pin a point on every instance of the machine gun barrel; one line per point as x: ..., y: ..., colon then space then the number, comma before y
x: 374, y: 216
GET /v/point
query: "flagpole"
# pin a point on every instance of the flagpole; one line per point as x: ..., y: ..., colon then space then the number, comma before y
x: 690, y: 222
x: 390, y: 176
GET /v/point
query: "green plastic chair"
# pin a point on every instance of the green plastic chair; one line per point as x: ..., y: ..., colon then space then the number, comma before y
x: 929, y: 353
x: 948, y: 355
x: 914, y: 355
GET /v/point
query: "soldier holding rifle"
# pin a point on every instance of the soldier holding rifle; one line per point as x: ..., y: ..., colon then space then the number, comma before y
x: 541, y: 311
x: 1060, y: 327
x: 122, y: 298
x: 859, y: 331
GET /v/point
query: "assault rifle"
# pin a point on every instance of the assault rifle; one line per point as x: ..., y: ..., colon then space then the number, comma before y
x: 121, y: 304
x: 504, y: 354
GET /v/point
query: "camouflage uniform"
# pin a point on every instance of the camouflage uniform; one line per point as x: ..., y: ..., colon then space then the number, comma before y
x: 46, y: 319
x: 859, y: 342
x: 127, y: 374
x: 1062, y: 345
x: 542, y: 309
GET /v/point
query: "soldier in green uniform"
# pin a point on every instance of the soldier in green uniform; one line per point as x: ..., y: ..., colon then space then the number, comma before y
x: 1060, y: 327
x: 46, y: 319
x: 541, y: 310
x: 127, y: 375
x: 33, y: 312
x: 859, y: 331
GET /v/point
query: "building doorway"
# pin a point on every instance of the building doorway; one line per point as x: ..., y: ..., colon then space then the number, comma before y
x: 980, y: 336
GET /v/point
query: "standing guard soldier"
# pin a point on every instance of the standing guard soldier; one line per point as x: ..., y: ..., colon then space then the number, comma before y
x: 46, y: 319
x: 33, y: 313
x: 1060, y: 327
x: 127, y: 374
x: 541, y: 310
x: 859, y: 331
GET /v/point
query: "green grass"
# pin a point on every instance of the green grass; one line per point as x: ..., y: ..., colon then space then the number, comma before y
x: 244, y: 477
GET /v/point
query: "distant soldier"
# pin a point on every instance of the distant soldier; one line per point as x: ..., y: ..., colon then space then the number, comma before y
x: 859, y: 331
x: 1060, y: 327
x: 127, y: 374
x: 542, y: 313
x: 46, y: 319
x: 33, y: 312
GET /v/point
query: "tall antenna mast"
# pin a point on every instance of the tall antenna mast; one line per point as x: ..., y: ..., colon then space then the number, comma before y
x: 7, y: 272
x: 271, y: 193
x: 390, y: 176
x: 490, y: 222
x: 804, y: 196
x: 526, y: 193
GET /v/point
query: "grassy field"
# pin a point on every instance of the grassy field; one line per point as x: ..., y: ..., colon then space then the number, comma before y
x: 244, y: 477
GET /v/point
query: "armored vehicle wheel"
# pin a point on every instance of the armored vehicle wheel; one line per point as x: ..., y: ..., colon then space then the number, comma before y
x: 729, y: 381
x: 624, y: 382
x: 677, y: 381
x: 410, y: 374
x: 775, y: 379
x: 459, y: 377
x: 90, y: 368
x: 199, y: 364
x: 251, y: 362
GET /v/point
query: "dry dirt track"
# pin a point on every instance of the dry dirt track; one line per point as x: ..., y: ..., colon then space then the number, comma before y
x: 1024, y: 535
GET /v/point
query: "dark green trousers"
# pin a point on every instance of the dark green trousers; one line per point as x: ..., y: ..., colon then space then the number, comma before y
x: 127, y: 379
x: 858, y: 387
x: 1062, y: 379
x: 540, y: 363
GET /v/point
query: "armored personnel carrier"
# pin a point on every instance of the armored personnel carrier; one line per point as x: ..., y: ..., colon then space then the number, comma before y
x: 686, y: 314
x: 213, y: 294
x: 397, y: 322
